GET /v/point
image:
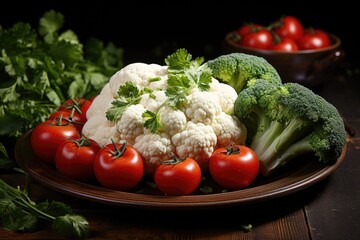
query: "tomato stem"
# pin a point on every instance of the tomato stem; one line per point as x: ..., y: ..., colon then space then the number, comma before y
x: 59, y: 121
x: 83, y: 142
x: 232, y: 149
x: 70, y: 119
x: 174, y: 160
x: 75, y: 106
x: 118, y: 151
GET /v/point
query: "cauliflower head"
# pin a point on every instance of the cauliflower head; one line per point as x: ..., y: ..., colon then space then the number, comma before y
x: 178, y: 108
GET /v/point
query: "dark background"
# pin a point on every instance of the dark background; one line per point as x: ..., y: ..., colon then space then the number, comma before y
x: 149, y: 31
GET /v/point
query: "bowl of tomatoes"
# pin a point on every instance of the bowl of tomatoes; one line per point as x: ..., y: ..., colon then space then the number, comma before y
x: 300, y: 54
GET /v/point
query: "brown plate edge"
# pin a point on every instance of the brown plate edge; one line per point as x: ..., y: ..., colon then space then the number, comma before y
x: 52, y: 179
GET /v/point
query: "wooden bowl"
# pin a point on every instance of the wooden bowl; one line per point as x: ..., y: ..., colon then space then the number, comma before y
x: 307, y: 67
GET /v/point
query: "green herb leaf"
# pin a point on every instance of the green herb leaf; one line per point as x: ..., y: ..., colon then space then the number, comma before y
x: 185, y: 74
x: 178, y: 61
x: 18, y: 38
x: 152, y: 121
x: 40, y: 70
x: 72, y: 226
x: 5, y: 161
x: 154, y: 79
x: 176, y: 96
x: 66, y: 53
x: 118, y: 106
x: 77, y: 88
x: 178, y: 88
x: 16, y: 219
x: 54, y: 208
x: 49, y: 24
x: 129, y: 94
x: 129, y: 91
x: 18, y: 212
x: 179, y: 80
x: 246, y: 227
x: 200, y: 75
x: 206, y: 189
x: 69, y: 36
x: 107, y: 57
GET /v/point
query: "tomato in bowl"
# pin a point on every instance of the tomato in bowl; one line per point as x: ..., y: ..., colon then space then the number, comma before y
x: 309, y: 67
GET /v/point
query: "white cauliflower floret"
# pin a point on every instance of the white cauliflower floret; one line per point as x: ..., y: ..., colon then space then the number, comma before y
x: 196, y: 141
x: 154, y: 149
x: 100, y: 103
x: 226, y: 95
x: 100, y: 130
x: 152, y: 101
x: 130, y: 125
x: 182, y: 117
x: 202, y: 107
x: 172, y: 120
x: 137, y: 73
x: 229, y: 130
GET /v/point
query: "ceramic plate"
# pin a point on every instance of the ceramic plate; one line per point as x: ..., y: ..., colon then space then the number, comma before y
x: 289, y: 180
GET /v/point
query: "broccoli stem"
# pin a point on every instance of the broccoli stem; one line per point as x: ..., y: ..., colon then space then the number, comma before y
x: 271, y: 144
x: 237, y: 81
x: 299, y: 148
x: 270, y: 130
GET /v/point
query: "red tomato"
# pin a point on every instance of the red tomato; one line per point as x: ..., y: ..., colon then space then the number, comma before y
x: 314, y: 39
x: 118, y: 166
x: 178, y: 176
x: 285, y: 44
x: 47, y: 136
x: 248, y: 27
x: 235, y: 167
x: 75, y: 120
x: 289, y: 27
x: 75, y: 158
x: 261, y: 39
x: 79, y: 106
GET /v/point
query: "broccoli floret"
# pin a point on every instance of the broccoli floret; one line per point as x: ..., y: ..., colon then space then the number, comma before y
x: 287, y: 121
x: 236, y: 69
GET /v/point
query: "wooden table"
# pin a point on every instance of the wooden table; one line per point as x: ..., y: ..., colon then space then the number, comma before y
x: 329, y: 209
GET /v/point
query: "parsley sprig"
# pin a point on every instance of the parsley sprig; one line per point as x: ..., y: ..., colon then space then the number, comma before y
x: 42, y: 67
x: 19, y: 213
x: 184, y: 74
x: 128, y: 94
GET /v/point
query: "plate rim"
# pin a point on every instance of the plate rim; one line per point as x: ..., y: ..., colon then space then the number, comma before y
x: 42, y: 173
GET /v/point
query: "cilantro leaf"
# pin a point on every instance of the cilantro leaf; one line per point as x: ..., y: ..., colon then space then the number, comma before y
x: 178, y: 61
x: 152, y: 121
x: 71, y: 225
x: 176, y: 96
x: 129, y: 95
x: 49, y: 24
x: 104, y: 56
x: 41, y: 69
x: 185, y: 74
x: 19, y: 213
x: 5, y: 161
x: 19, y: 38
x: 118, y: 107
x: 66, y: 52
x: 129, y: 90
x: 200, y: 75
x: 54, y: 208
x: 14, y: 218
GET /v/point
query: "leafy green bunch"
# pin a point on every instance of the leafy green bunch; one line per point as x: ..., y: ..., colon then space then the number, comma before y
x: 19, y: 213
x: 39, y: 69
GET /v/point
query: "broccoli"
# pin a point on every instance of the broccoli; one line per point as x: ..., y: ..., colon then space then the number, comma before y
x: 288, y: 120
x: 236, y: 69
